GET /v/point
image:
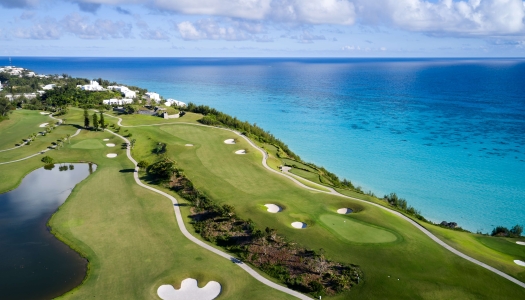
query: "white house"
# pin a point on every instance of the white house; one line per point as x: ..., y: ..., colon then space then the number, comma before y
x: 152, y: 96
x: 124, y: 90
x: 92, y: 86
x: 117, y: 101
x: 49, y: 86
x: 173, y: 102
x: 31, y: 74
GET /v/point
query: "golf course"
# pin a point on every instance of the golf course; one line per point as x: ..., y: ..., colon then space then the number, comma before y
x: 134, y: 243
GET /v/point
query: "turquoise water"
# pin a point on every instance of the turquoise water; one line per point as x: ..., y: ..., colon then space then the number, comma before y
x: 446, y: 134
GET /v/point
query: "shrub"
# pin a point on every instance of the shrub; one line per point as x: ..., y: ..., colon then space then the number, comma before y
x: 143, y: 164
x: 47, y: 160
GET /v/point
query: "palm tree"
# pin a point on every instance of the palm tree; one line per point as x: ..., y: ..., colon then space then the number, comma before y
x: 68, y: 136
x: 132, y: 143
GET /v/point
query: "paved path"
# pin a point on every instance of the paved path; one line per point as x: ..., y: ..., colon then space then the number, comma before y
x: 335, y: 193
x: 188, y: 235
x: 38, y: 153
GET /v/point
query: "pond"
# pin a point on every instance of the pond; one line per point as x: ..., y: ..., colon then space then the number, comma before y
x: 34, y: 264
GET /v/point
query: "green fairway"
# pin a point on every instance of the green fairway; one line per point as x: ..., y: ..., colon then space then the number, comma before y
x: 355, y: 231
x: 88, y: 144
x: 240, y: 180
x: 20, y: 125
x: 134, y: 245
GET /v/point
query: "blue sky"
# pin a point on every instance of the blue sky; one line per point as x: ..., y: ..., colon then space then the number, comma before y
x: 275, y: 28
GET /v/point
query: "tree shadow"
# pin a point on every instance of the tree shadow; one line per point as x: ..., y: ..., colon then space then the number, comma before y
x: 127, y: 171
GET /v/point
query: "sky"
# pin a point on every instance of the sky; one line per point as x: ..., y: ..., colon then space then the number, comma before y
x: 263, y: 28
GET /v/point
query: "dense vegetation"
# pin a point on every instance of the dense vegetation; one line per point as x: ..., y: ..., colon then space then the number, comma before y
x: 299, y: 268
x: 515, y: 231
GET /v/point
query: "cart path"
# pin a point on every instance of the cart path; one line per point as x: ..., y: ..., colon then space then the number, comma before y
x: 335, y: 193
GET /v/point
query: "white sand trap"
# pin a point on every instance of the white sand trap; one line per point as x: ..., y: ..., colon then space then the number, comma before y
x: 299, y: 225
x: 273, y: 208
x: 44, y: 113
x: 519, y: 262
x: 105, y: 140
x: 344, y: 211
x: 190, y: 291
x: 240, y: 152
x: 43, y: 125
x: 521, y: 243
x: 230, y: 141
x: 111, y: 155
x: 189, y: 145
x: 110, y: 145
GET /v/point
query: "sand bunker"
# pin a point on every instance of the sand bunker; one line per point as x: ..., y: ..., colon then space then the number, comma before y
x: 521, y: 243
x: 273, y: 208
x: 344, y: 211
x: 240, y: 152
x: 230, y: 141
x: 110, y: 145
x: 519, y: 262
x: 190, y: 291
x: 189, y: 145
x: 105, y: 140
x: 44, y: 113
x: 299, y: 225
x: 43, y: 125
x: 111, y: 155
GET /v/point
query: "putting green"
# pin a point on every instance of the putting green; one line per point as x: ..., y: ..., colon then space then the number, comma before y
x: 88, y: 144
x: 355, y: 231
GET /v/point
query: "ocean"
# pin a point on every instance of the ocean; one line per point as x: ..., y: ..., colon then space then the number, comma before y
x: 448, y: 135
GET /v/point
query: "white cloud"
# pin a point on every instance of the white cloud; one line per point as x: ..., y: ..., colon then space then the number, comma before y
x: 100, y: 29
x: 81, y: 26
x: 446, y: 17
x: 470, y: 18
x: 154, y: 34
x: 47, y: 29
x: 210, y: 29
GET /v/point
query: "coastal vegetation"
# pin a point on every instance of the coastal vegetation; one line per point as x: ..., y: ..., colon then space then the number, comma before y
x: 224, y: 204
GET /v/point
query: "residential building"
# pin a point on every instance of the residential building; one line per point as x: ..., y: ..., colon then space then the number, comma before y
x: 176, y: 103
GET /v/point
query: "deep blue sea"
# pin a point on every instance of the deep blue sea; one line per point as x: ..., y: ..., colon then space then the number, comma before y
x: 446, y: 134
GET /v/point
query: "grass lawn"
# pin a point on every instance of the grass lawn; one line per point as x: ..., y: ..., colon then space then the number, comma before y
x: 131, y: 239
x: 88, y: 144
x: 352, y: 230
x: 425, y: 269
x: 20, y: 125
x: 497, y: 252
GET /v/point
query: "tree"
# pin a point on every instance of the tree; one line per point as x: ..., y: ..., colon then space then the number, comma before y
x: 516, y: 230
x: 6, y: 107
x: 143, y: 164
x: 102, y: 123
x: 47, y: 160
x: 95, y: 121
x: 86, y: 118
x: 162, y: 169
x: 68, y: 136
x: 132, y: 143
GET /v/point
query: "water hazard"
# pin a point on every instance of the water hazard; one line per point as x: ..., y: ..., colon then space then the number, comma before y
x: 33, y: 263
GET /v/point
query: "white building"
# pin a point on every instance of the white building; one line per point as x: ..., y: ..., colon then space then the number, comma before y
x: 92, y: 86
x: 152, y: 96
x: 117, y: 101
x: 124, y: 90
x: 173, y: 102
x: 49, y: 86
x: 31, y: 74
